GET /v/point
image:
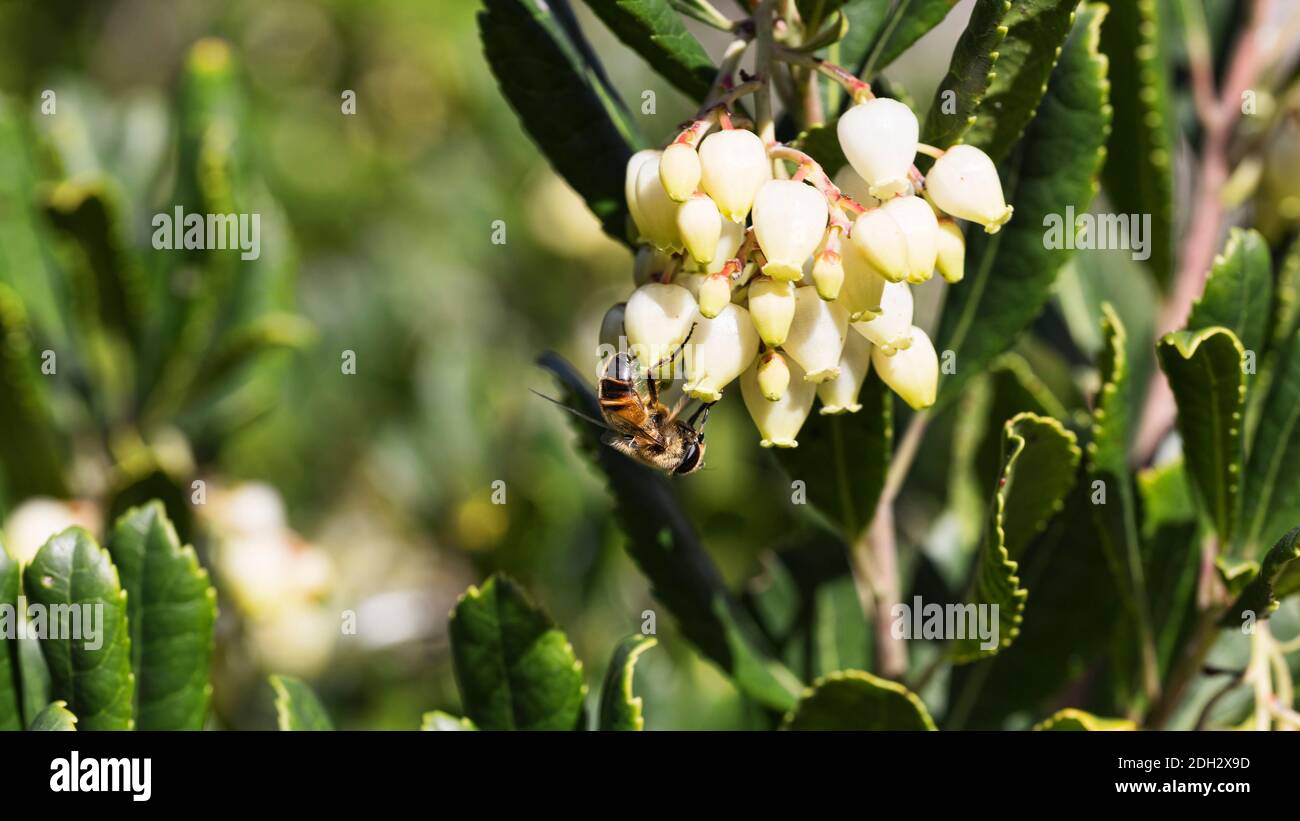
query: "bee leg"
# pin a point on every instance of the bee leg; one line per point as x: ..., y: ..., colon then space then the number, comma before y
x: 702, y: 414
x: 674, y: 352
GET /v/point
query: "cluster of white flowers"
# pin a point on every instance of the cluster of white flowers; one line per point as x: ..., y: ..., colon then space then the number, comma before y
x: 798, y: 286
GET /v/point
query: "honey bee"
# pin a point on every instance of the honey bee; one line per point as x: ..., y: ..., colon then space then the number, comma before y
x: 641, y: 427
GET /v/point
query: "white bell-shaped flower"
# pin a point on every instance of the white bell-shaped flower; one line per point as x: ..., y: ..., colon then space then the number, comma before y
x: 733, y: 165
x: 879, y: 139
x: 817, y: 335
x: 773, y: 376
x: 719, y: 351
x: 679, y: 171
x: 714, y: 294
x: 851, y: 183
x: 691, y: 281
x: 912, y: 373
x: 920, y: 229
x: 891, y: 330
x: 654, y: 213
x: 611, y: 325
x: 840, y: 395
x: 863, y: 286
x: 964, y: 183
x: 828, y: 274
x: 951, y: 260
x: 700, y: 226
x: 772, y: 306
x: 649, y: 265
x: 733, y: 235
x: 881, y: 240
x: 789, y: 223
x: 657, y: 319
x: 631, y: 177
x: 778, y: 421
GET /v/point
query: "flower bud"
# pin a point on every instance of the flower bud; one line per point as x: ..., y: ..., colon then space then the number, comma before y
x: 733, y: 235
x: 920, y: 229
x: 657, y: 319
x: 611, y: 325
x: 771, y: 306
x: 789, y: 222
x: 851, y: 183
x: 679, y: 171
x: 891, y: 331
x: 773, y: 376
x: 630, y: 177
x: 912, y: 373
x: 840, y: 395
x: 721, y: 349
x: 951, y: 259
x: 817, y: 335
x: 654, y: 213
x: 778, y: 421
x: 882, y: 242
x: 700, y: 226
x: 863, y: 286
x: 715, y: 294
x: 733, y: 165
x: 965, y: 184
x: 879, y: 139
x: 828, y: 274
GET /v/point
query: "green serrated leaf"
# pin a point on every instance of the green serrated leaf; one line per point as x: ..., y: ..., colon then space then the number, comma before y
x: 74, y: 579
x: 1166, y: 498
x: 1139, y: 175
x: 1036, y: 33
x: 842, y: 459
x: 171, y: 610
x: 653, y: 30
x: 563, y: 100
x: 619, y: 709
x: 909, y: 21
x: 11, y: 687
x: 437, y: 720
x: 1071, y: 719
x: 1261, y: 595
x: 1011, y: 273
x: 682, y: 575
x: 841, y: 634
x: 1238, y: 292
x: 30, y: 464
x: 1272, y: 494
x: 971, y: 72
x: 55, y: 717
x: 515, y: 668
x: 854, y: 700
x: 297, y: 707
x: 1206, y: 370
x: 1039, y: 458
x: 35, y: 676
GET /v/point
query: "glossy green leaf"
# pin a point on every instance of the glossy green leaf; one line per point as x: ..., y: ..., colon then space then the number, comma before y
x: 1139, y: 172
x: 74, y: 578
x: 665, y: 547
x: 11, y: 688
x: 842, y: 459
x: 515, y: 668
x: 1010, y: 274
x: 1039, y: 458
x: 35, y: 678
x: 55, y: 717
x: 840, y: 630
x: 564, y: 100
x: 619, y: 709
x: 854, y: 700
x: 1207, y: 374
x: 439, y: 721
x: 1238, y: 292
x: 1272, y: 493
x: 822, y: 143
x: 1036, y: 32
x: 30, y: 464
x: 171, y: 610
x: 909, y: 21
x: 653, y: 30
x: 1071, y: 719
x: 866, y: 20
x: 1260, y: 596
x: 971, y: 72
x: 296, y: 706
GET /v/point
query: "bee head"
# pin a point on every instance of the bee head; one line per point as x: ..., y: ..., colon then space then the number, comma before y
x: 693, y: 459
